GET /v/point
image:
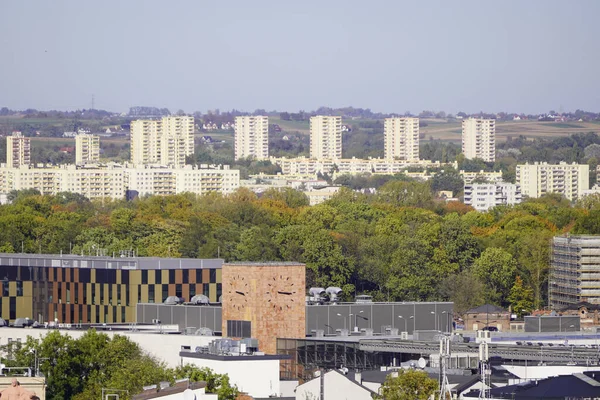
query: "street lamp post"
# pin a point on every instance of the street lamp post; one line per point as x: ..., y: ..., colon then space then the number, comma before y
x: 355, y: 317
x: 402, y: 318
x: 434, y: 320
x: 350, y: 320
x: 340, y: 315
x: 446, y: 324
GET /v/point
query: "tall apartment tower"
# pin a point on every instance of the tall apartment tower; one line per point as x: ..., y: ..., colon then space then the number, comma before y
x: 574, y: 271
x: 18, y: 150
x: 87, y: 149
x: 479, y: 139
x: 401, y: 139
x: 325, y: 137
x: 167, y: 141
x: 252, y: 137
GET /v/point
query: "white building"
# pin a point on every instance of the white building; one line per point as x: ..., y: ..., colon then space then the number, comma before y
x: 479, y: 139
x: 18, y: 150
x: 252, y: 137
x: 167, y: 141
x: 118, y: 180
x: 87, y: 149
x: 325, y: 137
x: 321, y: 194
x: 570, y: 180
x: 312, y: 166
x: 335, y: 386
x: 257, y: 375
x: 401, y: 139
x: 483, y: 196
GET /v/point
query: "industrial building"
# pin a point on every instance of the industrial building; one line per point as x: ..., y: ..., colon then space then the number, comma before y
x: 72, y: 289
x: 574, y: 271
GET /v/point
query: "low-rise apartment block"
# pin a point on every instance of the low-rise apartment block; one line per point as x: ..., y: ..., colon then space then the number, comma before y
x: 120, y: 180
x: 483, y: 196
x: 312, y: 166
x: 570, y: 180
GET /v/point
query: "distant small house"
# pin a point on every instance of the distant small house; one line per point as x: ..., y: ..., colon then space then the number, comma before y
x: 67, y: 149
x: 285, y: 138
x: 487, y: 316
x: 206, y: 139
x: 346, y: 128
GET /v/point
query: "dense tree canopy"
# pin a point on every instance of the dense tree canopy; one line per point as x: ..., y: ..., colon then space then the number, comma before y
x: 398, y: 244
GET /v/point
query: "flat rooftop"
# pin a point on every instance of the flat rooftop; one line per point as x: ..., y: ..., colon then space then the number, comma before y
x: 218, y: 357
x: 100, y: 262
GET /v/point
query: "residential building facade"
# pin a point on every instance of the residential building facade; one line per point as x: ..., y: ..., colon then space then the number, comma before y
x: 167, y: 141
x: 479, y: 139
x: 18, y: 150
x: 325, y: 137
x: 87, y: 149
x: 118, y: 181
x: 538, y: 179
x: 483, y: 196
x: 574, y: 271
x: 251, y: 137
x: 91, y: 289
x: 401, y: 139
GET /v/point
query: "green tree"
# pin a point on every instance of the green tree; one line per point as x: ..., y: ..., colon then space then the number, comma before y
x: 520, y: 297
x: 215, y: 383
x: 534, y: 262
x: 496, y: 268
x: 464, y: 289
x: 408, y: 385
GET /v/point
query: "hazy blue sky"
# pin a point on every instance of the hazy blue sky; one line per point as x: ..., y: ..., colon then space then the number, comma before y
x: 390, y: 56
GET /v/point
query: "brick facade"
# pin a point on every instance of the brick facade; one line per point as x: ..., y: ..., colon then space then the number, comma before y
x: 269, y: 295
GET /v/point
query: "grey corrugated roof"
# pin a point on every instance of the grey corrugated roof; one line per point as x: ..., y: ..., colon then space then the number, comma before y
x: 486, y: 309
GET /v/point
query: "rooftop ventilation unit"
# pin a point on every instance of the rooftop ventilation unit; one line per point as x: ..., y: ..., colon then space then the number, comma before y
x: 200, y: 299
x: 173, y: 300
x: 316, y: 295
x: 204, y: 332
x: 333, y: 293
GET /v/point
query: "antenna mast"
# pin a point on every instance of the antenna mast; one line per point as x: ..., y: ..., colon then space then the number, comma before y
x: 484, y: 370
x: 445, y: 352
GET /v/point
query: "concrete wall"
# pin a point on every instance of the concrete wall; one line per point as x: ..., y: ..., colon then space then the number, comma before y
x: 258, y: 378
x: 425, y: 316
x: 162, y: 346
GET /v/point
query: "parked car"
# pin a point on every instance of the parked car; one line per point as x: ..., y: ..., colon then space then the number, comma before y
x: 490, y: 328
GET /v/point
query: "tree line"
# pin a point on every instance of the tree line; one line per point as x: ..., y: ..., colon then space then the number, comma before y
x: 399, y: 244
